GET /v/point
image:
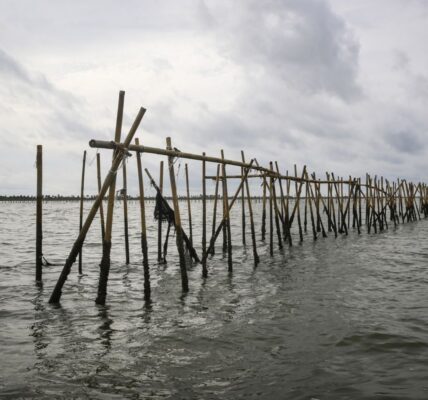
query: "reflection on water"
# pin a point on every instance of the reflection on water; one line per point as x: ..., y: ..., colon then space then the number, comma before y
x: 341, y: 318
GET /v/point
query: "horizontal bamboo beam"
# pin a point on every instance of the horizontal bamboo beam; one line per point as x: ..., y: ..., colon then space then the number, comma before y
x: 111, y: 145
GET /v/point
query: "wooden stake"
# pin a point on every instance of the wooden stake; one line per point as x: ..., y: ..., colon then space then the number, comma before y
x: 215, y: 206
x: 39, y: 214
x: 125, y: 211
x: 204, y: 219
x: 160, y: 258
x: 243, y: 209
x: 226, y: 216
x: 189, y: 209
x: 82, y: 188
x: 147, y: 289
x: 250, y: 211
x: 178, y: 228
x: 99, y: 189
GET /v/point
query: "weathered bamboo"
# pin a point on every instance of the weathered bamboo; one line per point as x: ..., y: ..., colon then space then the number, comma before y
x: 39, y: 214
x: 273, y: 194
x: 243, y: 209
x: 299, y: 221
x: 226, y: 216
x: 105, y: 259
x: 264, y: 210
x: 250, y: 212
x: 144, y: 250
x: 212, y: 251
x: 125, y: 211
x: 178, y: 228
x: 82, y: 189
x: 270, y: 217
x: 204, y: 219
x: 189, y: 208
x: 99, y: 189
x: 160, y: 258
x: 56, y: 294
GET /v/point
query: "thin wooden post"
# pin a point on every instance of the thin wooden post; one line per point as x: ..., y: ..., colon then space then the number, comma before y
x: 299, y: 221
x: 99, y: 189
x: 147, y: 289
x: 56, y: 294
x: 270, y: 217
x: 189, y: 209
x: 226, y: 216
x: 273, y: 194
x: 243, y: 209
x: 204, y: 218
x: 39, y: 214
x: 82, y: 189
x: 250, y: 211
x: 160, y: 258
x: 264, y: 211
x: 212, y: 251
x: 125, y: 211
x: 178, y: 228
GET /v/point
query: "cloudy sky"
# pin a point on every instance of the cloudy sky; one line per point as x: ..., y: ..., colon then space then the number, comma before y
x: 335, y: 84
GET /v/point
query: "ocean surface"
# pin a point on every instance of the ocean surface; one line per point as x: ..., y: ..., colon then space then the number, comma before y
x: 343, y: 318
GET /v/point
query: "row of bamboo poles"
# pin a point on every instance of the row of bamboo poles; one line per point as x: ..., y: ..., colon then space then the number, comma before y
x: 332, y: 205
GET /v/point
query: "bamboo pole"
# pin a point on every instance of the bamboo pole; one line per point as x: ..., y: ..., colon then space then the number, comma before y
x: 56, y: 294
x: 264, y: 210
x: 105, y: 259
x: 243, y: 209
x: 144, y: 250
x: 299, y: 221
x: 189, y: 209
x: 39, y: 214
x: 270, y: 217
x: 99, y: 189
x: 125, y: 211
x: 215, y: 206
x: 204, y: 219
x: 82, y: 188
x: 160, y: 258
x: 178, y: 228
x: 273, y: 194
x: 250, y: 212
x: 226, y: 216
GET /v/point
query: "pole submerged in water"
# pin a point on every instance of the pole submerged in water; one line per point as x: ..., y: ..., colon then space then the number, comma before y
x: 39, y: 213
x: 82, y: 190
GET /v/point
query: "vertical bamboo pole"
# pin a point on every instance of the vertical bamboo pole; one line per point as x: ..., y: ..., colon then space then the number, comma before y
x: 125, y: 211
x: 189, y: 209
x: 215, y: 205
x: 243, y: 209
x: 250, y: 211
x: 144, y: 250
x: 204, y: 219
x: 273, y: 194
x: 160, y: 257
x: 178, y: 228
x: 105, y: 260
x: 264, y: 210
x: 226, y: 216
x: 99, y: 190
x: 299, y: 221
x: 82, y: 188
x: 39, y: 213
x: 270, y: 217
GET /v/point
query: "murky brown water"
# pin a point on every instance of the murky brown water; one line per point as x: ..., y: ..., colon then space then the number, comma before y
x: 342, y: 318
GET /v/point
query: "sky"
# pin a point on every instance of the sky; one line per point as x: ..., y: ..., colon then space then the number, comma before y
x: 336, y: 85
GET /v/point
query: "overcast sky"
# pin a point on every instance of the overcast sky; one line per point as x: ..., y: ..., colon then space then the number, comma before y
x: 338, y: 85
